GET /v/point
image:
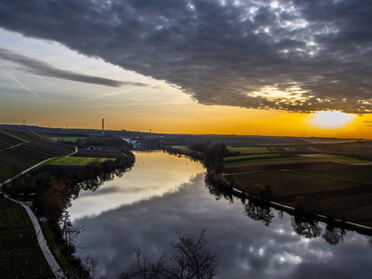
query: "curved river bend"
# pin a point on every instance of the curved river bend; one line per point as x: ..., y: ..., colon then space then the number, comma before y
x: 165, y: 194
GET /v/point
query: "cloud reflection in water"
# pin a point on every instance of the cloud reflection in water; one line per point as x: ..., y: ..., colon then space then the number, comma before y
x: 154, y: 174
x: 245, y: 248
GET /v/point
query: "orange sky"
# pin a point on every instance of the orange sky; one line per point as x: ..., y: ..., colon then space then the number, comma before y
x: 140, y: 105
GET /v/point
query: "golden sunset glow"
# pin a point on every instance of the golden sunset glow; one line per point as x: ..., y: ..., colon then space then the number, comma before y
x: 137, y: 83
x: 331, y: 119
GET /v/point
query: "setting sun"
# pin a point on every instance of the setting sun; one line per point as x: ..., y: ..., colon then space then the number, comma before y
x: 331, y: 119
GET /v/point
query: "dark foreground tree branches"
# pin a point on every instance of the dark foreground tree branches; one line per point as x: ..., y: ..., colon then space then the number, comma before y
x: 191, y: 260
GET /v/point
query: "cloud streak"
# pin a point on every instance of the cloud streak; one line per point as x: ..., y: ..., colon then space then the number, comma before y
x: 43, y: 69
x: 23, y: 86
x: 291, y: 55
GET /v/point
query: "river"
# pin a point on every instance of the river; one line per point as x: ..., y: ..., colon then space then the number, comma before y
x: 163, y: 195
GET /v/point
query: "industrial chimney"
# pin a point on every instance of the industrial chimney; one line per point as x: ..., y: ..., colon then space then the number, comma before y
x: 103, y: 126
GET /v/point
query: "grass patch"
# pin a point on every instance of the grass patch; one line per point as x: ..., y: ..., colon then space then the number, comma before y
x: 249, y: 149
x: 75, y: 161
x: 181, y: 147
x: 67, y: 139
x: 20, y: 255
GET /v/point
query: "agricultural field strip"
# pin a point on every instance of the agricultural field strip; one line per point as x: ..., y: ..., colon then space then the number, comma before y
x: 273, y: 160
x: 249, y: 149
x: 253, y: 157
x: 244, y: 172
x: 75, y: 161
x: 11, y: 147
x: 181, y: 147
x: 12, y: 217
x: 55, y: 138
x: 345, y: 160
x: 14, y: 136
x: 341, y: 175
x: 337, y: 159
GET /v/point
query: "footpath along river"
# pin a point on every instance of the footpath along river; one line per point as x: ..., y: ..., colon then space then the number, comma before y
x: 164, y: 195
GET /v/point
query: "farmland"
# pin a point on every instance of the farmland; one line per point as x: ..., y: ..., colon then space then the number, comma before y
x: 75, y: 161
x: 20, y: 256
x: 249, y: 149
x: 20, y: 150
x: 66, y: 139
x: 331, y: 183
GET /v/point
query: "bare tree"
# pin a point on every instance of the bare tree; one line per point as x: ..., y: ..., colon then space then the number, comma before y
x: 90, y: 263
x: 69, y: 232
x: 191, y: 260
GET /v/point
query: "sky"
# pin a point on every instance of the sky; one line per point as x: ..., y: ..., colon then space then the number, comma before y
x: 286, y: 68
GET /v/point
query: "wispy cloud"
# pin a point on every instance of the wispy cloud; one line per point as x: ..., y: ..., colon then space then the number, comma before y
x: 41, y: 68
x: 23, y: 86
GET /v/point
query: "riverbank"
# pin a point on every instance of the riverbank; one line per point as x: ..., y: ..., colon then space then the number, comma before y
x: 52, y: 195
x: 339, y: 194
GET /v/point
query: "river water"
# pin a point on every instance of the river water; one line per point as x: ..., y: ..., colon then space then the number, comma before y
x: 164, y: 195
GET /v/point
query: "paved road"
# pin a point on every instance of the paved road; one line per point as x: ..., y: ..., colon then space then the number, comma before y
x: 39, y: 234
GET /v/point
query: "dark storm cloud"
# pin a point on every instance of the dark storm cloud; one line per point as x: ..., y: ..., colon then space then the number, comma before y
x: 40, y: 68
x: 222, y: 52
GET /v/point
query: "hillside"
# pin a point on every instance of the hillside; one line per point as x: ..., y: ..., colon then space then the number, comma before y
x: 20, y: 150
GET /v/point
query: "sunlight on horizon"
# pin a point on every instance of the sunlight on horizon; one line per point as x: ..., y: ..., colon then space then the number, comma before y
x: 331, y: 119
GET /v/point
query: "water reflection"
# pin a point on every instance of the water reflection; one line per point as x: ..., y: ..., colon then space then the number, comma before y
x: 154, y: 174
x: 245, y: 247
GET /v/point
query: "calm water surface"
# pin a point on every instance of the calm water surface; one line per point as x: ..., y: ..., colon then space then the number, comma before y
x: 164, y: 194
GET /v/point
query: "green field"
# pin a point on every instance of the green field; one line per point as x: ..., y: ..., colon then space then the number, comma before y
x: 20, y: 256
x: 67, y: 139
x: 248, y: 149
x: 75, y: 161
x: 181, y: 147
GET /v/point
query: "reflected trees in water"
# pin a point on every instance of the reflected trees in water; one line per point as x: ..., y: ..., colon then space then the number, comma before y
x: 259, y: 212
x: 303, y: 221
x: 191, y: 260
x: 334, y: 235
x: 305, y: 226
